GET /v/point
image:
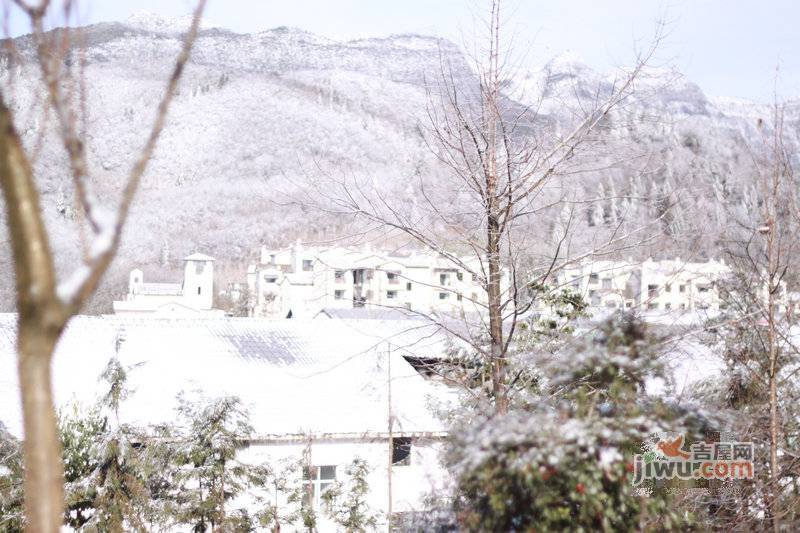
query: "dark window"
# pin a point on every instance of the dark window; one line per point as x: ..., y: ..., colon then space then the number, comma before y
x: 308, y: 265
x: 682, y: 288
x: 442, y: 279
x: 408, y: 286
x: 443, y: 295
x: 460, y: 276
x: 391, y: 295
x: 392, y: 277
x: 593, y: 278
x: 338, y: 276
x: 338, y: 295
x: 198, y: 290
x: 401, y: 451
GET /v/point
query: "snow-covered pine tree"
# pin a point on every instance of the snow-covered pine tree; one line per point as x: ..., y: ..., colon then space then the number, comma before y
x: 346, y: 503
x: 12, y: 517
x: 214, y: 430
x: 566, y: 462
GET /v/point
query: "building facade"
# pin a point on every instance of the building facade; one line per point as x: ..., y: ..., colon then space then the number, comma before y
x: 320, y: 393
x: 666, y: 285
x: 195, y: 294
x: 300, y: 281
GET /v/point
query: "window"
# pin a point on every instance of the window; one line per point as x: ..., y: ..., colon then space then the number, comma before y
x: 401, y: 451
x: 408, y: 286
x: 338, y: 276
x: 652, y: 305
x: 628, y: 305
x: 703, y: 288
x: 460, y: 276
x: 606, y: 283
x: 682, y: 288
x: 669, y: 287
x: 444, y: 295
x: 272, y: 258
x: 270, y: 279
x: 391, y: 295
x: 392, y: 277
x: 338, y: 295
x: 594, y: 299
x: 317, y: 480
x: 443, y: 279
x: 594, y: 278
x: 199, y: 290
x: 667, y: 306
x: 308, y: 265
x: 459, y: 296
x: 652, y: 291
x: 683, y: 306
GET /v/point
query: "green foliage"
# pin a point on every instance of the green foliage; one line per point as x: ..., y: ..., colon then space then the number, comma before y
x: 286, y: 501
x: 11, y: 476
x: 105, y: 489
x: 345, y: 502
x: 565, y: 463
x: 209, y: 475
x: 80, y: 433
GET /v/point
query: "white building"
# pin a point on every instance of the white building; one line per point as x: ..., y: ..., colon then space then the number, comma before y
x: 195, y: 295
x: 326, y: 387
x: 667, y: 285
x: 300, y: 281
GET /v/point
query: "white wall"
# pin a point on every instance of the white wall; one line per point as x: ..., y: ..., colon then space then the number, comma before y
x: 410, y: 484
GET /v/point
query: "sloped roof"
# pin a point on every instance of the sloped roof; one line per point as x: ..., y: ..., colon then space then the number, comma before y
x: 295, y: 376
x: 366, y: 313
x: 199, y: 257
x: 162, y: 289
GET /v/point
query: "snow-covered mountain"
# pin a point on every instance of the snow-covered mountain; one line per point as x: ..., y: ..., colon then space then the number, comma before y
x: 258, y: 110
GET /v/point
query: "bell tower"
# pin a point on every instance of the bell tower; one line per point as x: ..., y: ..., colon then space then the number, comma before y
x: 198, y: 281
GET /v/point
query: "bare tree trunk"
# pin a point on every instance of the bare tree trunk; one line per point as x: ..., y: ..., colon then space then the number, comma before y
x: 772, y: 287
x: 43, y: 311
x: 44, y: 472
x: 494, y: 295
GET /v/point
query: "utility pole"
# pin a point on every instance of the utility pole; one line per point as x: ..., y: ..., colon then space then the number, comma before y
x: 391, y: 434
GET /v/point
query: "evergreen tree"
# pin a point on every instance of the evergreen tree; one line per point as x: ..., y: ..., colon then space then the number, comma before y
x: 12, y: 517
x: 209, y: 474
x: 565, y: 463
x: 346, y: 503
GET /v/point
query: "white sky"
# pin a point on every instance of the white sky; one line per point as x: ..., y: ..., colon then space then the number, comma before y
x: 728, y: 47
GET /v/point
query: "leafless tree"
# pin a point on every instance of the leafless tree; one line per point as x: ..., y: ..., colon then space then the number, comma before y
x: 506, y: 163
x: 44, y: 305
x: 763, y: 242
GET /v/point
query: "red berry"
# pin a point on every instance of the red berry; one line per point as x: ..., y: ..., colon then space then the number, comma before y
x: 580, y: 488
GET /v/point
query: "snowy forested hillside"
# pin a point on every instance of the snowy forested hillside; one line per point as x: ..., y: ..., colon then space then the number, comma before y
x: 258, y: 111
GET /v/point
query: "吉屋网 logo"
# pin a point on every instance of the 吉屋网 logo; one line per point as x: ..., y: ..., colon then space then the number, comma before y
x: 704, y: 460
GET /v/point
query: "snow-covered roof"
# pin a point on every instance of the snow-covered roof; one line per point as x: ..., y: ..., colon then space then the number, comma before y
x: 198, y: 257
x: 162, y: 289
x: 295, y: 376
x: 365, y: 313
